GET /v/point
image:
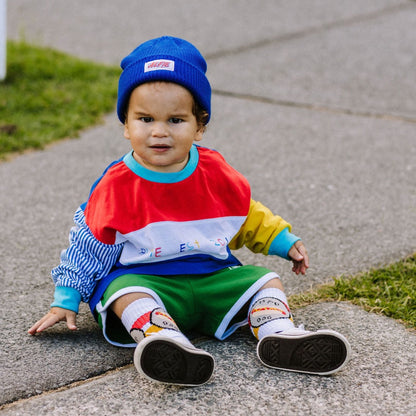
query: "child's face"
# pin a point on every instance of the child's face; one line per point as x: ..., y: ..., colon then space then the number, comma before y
x: 161, y: 126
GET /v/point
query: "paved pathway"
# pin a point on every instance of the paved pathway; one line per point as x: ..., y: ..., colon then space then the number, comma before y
x: 315, y: 103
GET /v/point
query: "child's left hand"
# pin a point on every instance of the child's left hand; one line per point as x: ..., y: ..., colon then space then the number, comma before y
x: 300, y: 258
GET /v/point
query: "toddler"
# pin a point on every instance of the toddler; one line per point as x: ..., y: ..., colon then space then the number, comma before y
x: 150, y: 249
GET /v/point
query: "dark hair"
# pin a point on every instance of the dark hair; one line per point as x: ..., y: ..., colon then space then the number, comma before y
x: 201, y: 116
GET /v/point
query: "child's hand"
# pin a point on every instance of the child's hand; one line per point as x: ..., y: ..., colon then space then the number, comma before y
x: 54, y: 316
x: 300, y: 258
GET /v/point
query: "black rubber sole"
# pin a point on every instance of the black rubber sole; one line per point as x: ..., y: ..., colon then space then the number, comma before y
x: 168, y: 362
x: 315, y: 353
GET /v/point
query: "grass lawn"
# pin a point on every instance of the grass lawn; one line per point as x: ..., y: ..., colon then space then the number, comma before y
x: 390, y: 290
x: 48, y: 95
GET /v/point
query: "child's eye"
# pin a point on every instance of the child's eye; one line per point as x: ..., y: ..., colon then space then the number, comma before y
x: 146, y: 119
x: 175, y: 120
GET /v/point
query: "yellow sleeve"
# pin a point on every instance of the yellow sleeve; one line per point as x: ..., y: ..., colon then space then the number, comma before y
x: 259, y: 229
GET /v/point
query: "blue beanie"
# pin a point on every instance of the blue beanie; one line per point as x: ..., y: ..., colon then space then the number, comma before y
x: 164, y: 59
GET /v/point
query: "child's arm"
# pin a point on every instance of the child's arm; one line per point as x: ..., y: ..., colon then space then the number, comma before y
x: 264, y: 232
x: 84, y: 262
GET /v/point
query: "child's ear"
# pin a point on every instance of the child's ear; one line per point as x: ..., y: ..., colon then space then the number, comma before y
x: 199, y: 134
x: 126, y: 131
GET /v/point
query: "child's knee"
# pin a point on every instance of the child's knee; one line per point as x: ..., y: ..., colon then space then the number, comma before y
x: 273, y: 283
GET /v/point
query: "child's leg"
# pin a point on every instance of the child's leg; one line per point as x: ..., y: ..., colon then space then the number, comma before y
x: 269, y: 311
x: 163, y: 353
x: 142, y: 317
x: 283, y: 346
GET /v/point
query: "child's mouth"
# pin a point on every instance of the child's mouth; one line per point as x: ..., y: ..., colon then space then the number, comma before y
x: 160, y: 147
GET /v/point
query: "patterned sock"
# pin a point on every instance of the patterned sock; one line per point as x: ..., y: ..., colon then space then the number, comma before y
x: 269, y: 313
x: 144, y: 317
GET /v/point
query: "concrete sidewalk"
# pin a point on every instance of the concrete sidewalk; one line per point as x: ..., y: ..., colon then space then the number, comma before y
x: 315, y: 103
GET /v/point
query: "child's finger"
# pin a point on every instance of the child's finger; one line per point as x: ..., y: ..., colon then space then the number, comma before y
x: 44, y: 323
x: 304, y: 253
x: 295, y: 254
x: 35, y: 327
x: 296, y: 267
x: 48, y: 322
x: 71, y: 322
x: 299, y: 267
x: 32, y: 329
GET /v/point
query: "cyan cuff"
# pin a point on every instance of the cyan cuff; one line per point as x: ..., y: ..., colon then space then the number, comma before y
x: 66, y: 298
x: 282, y: 243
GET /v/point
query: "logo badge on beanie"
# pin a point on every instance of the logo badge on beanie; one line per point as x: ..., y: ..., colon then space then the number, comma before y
x: 159, y: 64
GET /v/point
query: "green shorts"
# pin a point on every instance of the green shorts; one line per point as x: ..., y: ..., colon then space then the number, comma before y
x: 212, y: 304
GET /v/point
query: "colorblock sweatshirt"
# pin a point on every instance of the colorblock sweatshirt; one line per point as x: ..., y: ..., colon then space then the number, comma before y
x: 145, y: 222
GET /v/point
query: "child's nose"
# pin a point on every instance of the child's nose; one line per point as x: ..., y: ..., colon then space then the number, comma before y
x: 159, y: 130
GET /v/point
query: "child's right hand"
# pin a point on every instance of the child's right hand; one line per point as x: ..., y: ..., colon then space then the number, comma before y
x: 300, y: 257
x: 54, y: 316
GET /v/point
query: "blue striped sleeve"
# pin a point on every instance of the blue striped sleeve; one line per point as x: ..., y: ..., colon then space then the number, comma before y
x: 85, y: 261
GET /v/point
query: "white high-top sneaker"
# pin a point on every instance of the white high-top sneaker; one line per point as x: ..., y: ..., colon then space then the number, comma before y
x: 167, y: 360
x: 322, y: 352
